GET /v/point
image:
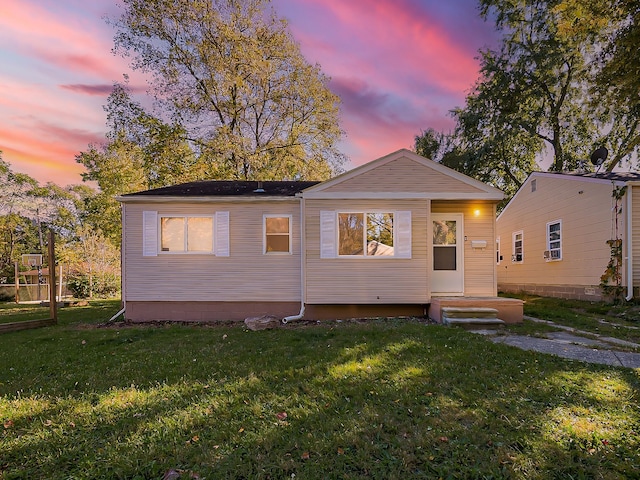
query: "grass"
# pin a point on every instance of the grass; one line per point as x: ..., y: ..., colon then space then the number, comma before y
x: 598, y: 318
x: 389, y: 399
x: 98, y: 311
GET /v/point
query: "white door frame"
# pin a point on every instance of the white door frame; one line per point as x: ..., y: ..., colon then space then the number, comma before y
x: 448, y: 283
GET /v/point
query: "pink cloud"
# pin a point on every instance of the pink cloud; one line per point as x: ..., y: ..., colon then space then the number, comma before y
x: 398, y: 65
x: 393, y: 42
x: 61, y: 40
x: 100, y: 90
x: 21, y: 102
x: 46, y: 151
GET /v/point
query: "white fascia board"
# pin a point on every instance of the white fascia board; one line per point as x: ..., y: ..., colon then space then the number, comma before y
x: 401, y: 196
x: 203, y: 199
x: 576, y: 178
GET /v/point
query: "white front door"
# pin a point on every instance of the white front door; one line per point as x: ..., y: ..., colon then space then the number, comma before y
x: 447, y: 274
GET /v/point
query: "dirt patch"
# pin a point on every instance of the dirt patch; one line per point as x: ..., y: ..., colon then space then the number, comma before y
x: 234, y: 323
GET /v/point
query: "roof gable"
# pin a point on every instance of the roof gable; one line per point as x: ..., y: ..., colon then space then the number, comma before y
x: 403, y: 174
x: 604, y: 179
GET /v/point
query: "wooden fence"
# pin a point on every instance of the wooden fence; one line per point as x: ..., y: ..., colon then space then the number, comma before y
x: 53, y: 306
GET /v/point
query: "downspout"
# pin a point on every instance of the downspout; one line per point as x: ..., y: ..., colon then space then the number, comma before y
x: 303, y: 260
x: 116, y: 315
x: 629, y: 245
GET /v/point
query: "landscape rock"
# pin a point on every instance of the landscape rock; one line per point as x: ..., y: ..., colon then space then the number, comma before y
x: 265, y: 322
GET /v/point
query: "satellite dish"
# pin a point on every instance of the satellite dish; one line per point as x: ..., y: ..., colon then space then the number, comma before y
x: 599, y: 156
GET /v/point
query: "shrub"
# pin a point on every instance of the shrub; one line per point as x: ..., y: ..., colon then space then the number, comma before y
x: 104, y: 286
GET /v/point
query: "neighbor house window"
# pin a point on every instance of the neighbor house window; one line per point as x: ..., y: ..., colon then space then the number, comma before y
x: 186, y: 234
x: 366, y: 234
x: 554, y: 241
x: 518, y: 247
x: 277, y: 234
x: 498, y: 256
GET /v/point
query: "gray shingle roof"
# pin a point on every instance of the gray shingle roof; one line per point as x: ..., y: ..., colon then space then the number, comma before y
x: 216, y: 188
x: 613, y: 176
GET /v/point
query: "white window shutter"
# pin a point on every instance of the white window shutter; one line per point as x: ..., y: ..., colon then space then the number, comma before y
x: 221, y: 241
x: 327, y: 234
x: 403, y: 234
x: 149, y: 234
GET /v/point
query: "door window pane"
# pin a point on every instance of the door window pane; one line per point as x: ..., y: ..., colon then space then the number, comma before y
x: 444, y: 257
x: 444, y: 232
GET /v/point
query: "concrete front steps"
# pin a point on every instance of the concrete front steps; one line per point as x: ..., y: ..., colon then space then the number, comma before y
x: 472, y: 316
x: 509, y: 309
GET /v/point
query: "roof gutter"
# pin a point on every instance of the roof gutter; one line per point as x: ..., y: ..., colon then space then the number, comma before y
x: 629, y: 242
x: 303, y: 273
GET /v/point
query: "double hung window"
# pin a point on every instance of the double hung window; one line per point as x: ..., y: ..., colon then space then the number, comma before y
x: 277, y: 234
x: 554, y: 241
x: 518, y: 247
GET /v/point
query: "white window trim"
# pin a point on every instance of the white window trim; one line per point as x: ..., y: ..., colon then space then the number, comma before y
x: 264, y: 234
x: 364, y: 255
x: 554, y: 222
x: 498, y: 251
x: 186, y: 239
x: 513, y: 246
x: 329, y: 234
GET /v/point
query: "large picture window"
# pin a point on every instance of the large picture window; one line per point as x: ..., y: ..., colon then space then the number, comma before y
x: 277, y: 234
x: 554, y: 241
x: 366, y: 234
x: 186, y: 234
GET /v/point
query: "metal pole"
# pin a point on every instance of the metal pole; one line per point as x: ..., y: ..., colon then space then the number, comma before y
x: 60, y: 284
x: 17, y: 274
x: 53, y: 305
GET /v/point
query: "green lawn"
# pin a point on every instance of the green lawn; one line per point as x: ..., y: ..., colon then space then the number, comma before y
x: 618, y: 321
x: 98, y: 311
x: 392, y: 399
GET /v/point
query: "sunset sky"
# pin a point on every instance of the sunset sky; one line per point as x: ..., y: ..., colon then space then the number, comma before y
x: 399, y: 66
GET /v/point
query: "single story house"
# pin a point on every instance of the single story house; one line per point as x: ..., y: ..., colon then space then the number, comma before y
x: 552, y: 236
x: 387, y: 238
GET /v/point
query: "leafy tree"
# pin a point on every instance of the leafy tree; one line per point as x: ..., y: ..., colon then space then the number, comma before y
x: 28, y: 209
x: 548, y: 89
x: 236, y: 87
x: 96, y: 264
x: 535, y: 82
x: 434, y: 145
x: 614, y: 26
x: 18, y: 235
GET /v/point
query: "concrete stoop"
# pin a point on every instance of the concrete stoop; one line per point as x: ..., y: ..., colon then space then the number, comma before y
x: 476, y: 316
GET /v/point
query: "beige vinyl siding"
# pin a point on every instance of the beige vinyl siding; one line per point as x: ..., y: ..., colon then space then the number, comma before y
x: 246, y: 275
x: 403, y: 175
x: 635, y: 225
x: 367, y: 280
x: 586, y: 226
x: 479, y: 264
